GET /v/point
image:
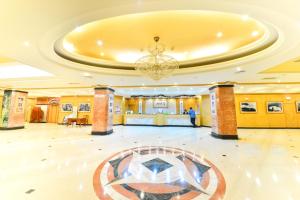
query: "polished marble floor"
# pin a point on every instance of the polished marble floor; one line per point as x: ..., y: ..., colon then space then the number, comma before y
x: 48, y: 161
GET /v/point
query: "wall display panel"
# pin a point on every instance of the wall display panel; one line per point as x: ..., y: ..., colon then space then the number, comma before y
x: 140, y: 106
x: 6, y: 108
x: 160, y: 103
x: 298, y: 106
x: 248, y: 107
x: 84, y: 107
x: 275, y: 107
x: 118, y: 109
x: 181, y: 107
x: 150, y: 109
x: 13, y: 109
x: 66, y: 107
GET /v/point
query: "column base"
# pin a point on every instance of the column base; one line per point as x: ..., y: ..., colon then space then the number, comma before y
x: 102, y: 132
x: 12, y: 128
x: 224, y: 137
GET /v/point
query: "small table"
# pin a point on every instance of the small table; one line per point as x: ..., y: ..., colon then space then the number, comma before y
x: 78, y: 121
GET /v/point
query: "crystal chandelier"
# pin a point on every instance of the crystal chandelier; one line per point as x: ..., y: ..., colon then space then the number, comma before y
x: 157, y: 65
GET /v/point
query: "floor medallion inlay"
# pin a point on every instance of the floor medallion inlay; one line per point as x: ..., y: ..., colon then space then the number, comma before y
x: 158, y: 173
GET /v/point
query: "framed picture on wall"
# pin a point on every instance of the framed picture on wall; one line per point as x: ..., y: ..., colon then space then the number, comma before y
x: 248, y: 107
x: 66, y: 107
x: 160, y: 103
x: 84, y: 107
x: 274, y: 107
x: 298, y: 106
x: 117, y: 109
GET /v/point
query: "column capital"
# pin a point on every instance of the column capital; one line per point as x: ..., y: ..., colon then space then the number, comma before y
x: 11, y: 90
x: 221, y: 85
x: 104, y: 88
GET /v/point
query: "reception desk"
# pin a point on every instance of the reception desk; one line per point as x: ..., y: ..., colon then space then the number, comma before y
x: 159, y: 120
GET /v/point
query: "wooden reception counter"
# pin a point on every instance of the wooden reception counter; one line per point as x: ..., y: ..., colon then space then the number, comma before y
x: 159, y: 120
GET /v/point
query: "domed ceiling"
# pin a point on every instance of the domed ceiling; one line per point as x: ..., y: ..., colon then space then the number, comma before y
x: 194, y: 38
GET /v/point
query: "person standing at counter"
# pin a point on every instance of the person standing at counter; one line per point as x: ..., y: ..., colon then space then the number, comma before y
x: 192, y: 116
x: 185, y: 112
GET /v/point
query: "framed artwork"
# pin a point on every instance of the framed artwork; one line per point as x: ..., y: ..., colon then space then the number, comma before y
x: 160, y: 103
x: 248, y: 107
x: 66, y: 107
x: 298, y: 106
x: 84, y: 107
x: 274, y: 107
x: 117, y: 109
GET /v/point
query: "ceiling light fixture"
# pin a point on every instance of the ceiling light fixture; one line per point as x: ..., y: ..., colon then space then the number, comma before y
x: 26, y: 44
x: 219, y: 34
x: 100, y: 43
x: 157, y: 65
x: 245, y: 17
x: 254, y: 33
x: 78, y: 29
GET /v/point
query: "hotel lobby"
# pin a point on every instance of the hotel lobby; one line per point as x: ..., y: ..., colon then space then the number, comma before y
x: 150, y: 100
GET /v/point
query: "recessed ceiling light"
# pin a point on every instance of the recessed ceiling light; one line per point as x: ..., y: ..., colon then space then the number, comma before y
x: 78, y: 29
x: 220, y: 34
x: 26, y: 44
x: 238, y: 69
x: 102, y: 54
x: 245, y: 17
x: 86, y: 74
x: 254, y: 33
x: 100, y: 43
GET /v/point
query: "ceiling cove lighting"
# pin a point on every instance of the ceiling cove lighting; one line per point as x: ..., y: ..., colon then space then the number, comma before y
x: 209, y: 51
x: 157, y: 65
x: 21, y: 71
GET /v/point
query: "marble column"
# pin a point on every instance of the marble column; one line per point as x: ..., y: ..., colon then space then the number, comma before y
x: 223, y: 112
x: 103, y: 111
x: 13, y: 110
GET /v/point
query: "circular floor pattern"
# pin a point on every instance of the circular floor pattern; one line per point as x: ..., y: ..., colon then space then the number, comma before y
x: 158, y: 173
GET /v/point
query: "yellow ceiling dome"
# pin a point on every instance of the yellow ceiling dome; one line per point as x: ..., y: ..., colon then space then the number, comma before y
x: 189, y: 36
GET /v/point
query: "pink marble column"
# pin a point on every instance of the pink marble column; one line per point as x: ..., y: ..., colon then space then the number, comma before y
x: 13, y: 110
x: 103, y: 111
x: 223, y: 112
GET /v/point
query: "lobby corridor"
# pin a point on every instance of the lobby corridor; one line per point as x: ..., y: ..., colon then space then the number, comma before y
x: 49, y: 161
